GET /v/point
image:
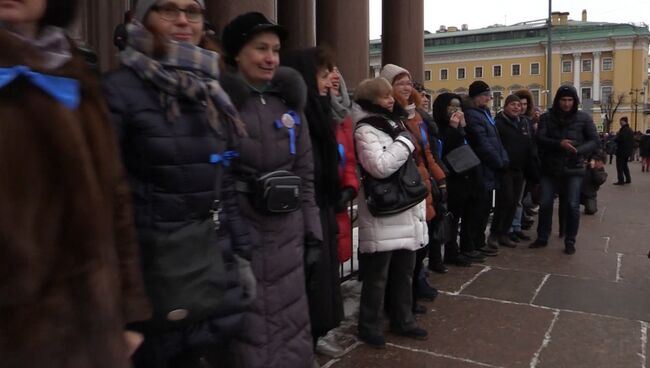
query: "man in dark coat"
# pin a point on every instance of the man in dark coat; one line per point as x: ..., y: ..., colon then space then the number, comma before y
x: 624, y: 149
x: 483, y: 137
x: 565, y: 137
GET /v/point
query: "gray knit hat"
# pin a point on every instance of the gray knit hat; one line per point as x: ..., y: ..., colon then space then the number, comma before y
x: 390, y: 71
x: 143, y: 6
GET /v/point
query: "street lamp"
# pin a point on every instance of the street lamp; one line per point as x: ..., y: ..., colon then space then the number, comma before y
x: 636, y: 92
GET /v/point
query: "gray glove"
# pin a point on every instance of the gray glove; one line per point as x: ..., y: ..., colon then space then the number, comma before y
x: 246, y: 280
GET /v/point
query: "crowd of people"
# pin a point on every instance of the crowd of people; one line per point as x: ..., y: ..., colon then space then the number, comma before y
x: 190, y: 209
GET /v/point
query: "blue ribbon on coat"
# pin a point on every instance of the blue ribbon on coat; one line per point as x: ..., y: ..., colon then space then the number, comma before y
x: 292, y: 131
x: 225, y: 158
x: 65, y: 90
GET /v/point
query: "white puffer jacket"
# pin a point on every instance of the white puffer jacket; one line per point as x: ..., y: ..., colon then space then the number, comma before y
x: 380, y: 156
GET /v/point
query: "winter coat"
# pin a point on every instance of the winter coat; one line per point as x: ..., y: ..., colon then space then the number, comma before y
x: 644, y: 146
x: 579, y: 128
x: 69, y: 265
x: 484, y: 139
x: 624, y: 141
x: 516, y: 140
x: 380, y: 157
x: 276, y: 330
x: 348, y: 179
x: 592, y: 181
x: 172, y: 179
x: 428, y: 168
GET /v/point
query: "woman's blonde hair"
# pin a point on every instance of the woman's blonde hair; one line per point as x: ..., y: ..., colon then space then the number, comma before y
x: 372, y: 89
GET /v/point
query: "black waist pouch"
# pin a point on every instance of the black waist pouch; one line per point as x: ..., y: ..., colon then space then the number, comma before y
x: 277, y: 192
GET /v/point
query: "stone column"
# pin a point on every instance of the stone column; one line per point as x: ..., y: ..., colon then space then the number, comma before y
x: 299, y: 18
x: 101, y: 18
x: 221, y: 12
x: 576, y: 72
x: 595, y: 93
x: 343, y: 26
x: 403, y: 35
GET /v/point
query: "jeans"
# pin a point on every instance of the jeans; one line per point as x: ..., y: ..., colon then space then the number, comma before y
x: 569, y: 189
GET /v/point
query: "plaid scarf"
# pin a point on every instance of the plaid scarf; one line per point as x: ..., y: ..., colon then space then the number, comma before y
x: 185, y: 71
x: 52, y: 45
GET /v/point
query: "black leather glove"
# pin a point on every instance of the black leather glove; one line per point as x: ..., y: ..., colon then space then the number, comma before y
x: 443, y: 194
x: 246, y: 280
x: 347, y: 194
x: 313, y: 248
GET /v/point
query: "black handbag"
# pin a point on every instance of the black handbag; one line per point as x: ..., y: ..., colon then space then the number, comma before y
x: 461, y: 159
x: 398, y: 192
x: 278, y: 192
x: 442, y: 225
x: 184, y: 270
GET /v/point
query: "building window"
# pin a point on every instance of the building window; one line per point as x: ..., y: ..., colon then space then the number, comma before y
x: 496, y: 100
x: 516, y: 69
x: 460, y: 73
x: 478, y: 72
x: 566, y: 66
x: 496, y: 70
x: 586, y: 65
x: 427, y: 75
x: 586, y: 94
x: 605, y: 92
x: 535, y: 93
x: 444, y: 74
x: 534, y: 69
x: 608, y: 64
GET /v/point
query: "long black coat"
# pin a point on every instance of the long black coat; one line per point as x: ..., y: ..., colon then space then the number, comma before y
x: 484, y: 139
x: 625, y: 141
x: 172, y: 179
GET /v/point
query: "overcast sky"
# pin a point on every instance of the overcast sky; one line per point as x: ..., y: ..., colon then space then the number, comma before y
x: 482, y: 13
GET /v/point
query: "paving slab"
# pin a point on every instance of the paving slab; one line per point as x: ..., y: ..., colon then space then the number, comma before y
x: 594, y: 296
x: 497, y: 333
x: 453, y: 280
x: 579, y: 340
x: 635, y: 269
x: 511, y: 285
x: 630, y: 238
x: 393, y: 357
x: 551, y: 259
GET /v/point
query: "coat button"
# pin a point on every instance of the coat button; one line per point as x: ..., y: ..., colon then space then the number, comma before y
x: 177, y: 315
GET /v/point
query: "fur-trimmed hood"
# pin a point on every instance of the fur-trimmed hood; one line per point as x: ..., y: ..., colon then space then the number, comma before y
x: 287, y: 83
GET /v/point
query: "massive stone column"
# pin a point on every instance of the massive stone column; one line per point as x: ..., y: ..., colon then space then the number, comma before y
x: 595, y: 94
x: 343, y: 26
x: 100, y: 17
x: 220, y: 12
x: 403, y: 35
x: 299, y: 18
x: 576, y: 72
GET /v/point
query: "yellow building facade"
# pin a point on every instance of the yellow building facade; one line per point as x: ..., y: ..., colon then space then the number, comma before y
x: 599, y: 59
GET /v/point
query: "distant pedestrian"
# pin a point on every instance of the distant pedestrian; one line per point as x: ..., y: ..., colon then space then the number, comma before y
x: 624, y: 150
x: 565, y: 138
x: 594, y: 178
x: 644, y: 151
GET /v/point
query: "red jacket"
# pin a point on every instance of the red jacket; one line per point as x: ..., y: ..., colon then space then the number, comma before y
x: 348, y: 178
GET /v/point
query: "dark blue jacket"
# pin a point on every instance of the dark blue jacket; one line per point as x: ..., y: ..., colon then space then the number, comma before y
x: 171, y: 177
x: 484, y: 139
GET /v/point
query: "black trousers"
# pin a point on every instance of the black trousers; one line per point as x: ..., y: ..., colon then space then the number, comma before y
x: 622, y: 168
x: 472, y: 209
x: 507, y: 197
x: 394, y: 268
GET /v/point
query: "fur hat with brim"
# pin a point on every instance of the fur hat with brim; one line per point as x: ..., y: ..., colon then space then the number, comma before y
x: 242, y: 29
x: 144, y: 6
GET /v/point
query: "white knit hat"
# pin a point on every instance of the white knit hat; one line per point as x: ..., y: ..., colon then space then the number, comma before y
x: 143, y: 7
x: 390, y: 71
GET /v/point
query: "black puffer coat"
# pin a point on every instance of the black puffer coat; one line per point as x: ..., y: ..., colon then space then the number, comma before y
x: 171, y: 177
x: 576, y: 126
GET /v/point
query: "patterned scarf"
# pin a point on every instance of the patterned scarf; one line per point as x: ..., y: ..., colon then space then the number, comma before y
x: 52, y: 45
x: 341, y: 105
x: 185, y: 71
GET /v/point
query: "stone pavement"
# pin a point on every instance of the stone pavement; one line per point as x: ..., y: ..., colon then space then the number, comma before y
x: 537, y: 307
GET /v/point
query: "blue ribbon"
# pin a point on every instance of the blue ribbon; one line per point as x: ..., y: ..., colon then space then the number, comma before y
x: 224, y: 158
x: 424, y: 133
x: 292, y: 131
x: 490, y: 118
x: 64, y: 90
x: 440, y: 148
x: 342, y: 154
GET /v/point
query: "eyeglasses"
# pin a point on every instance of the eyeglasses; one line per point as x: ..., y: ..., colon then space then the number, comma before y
x: 170, y: 12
